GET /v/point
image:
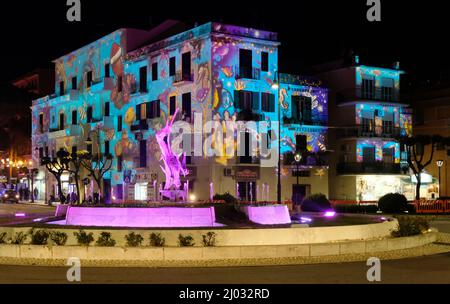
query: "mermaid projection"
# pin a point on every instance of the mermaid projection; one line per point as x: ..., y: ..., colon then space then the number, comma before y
x: 174, y: 165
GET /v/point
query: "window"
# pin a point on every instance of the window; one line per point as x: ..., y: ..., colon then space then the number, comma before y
x: 368, y: 87
x: 61, y: 121
x: 74, y: 150
x: 46, y: 151
x: 74, y: 117
x: 245, y: 155
x: 246, y: 100
x: 89, y: 79
x: 268, y: 102
x: 89, y: 148
x: 119, y: 84
x: 41, y: 152
x: 143, y: 79
x: 264, y: 61
x: 89, y: 114
x: 172, y: 66
x: 172, y: 104
x: 186, y: 66
x: 142, y: 154
x: 61, y: 88
x: 74, y: 83
x: 106, y: 147
x: 155, y: 71
x: 186, y: 104
x: 41, y: 122
x: 107, y: 70
x: 119, y: 163
x: 245, y: 63
x: 301, y: 108
x: 119, y: 123
x: 148, y: 110
x: 107, y: 108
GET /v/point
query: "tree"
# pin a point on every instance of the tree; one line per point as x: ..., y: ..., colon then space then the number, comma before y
x: 57, y: 166
x: 76, y: 160
x: 97, y: 166
x: 415, y: 148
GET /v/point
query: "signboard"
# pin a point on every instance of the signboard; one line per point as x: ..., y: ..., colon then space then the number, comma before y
x: 247, y: 173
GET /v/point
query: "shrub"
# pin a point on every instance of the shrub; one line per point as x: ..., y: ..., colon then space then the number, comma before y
x: 3, y: 238
x: 58, y: 238
x: 393, y: 203
x: 356, y: 208
x: 157, y: 240
x: 39, y: 237
x: 227, y: 197
x: 209, y: 239
x: 18, y: 239
x: 316, y: 203
x: 134, y: 239
x: 83, y: 238
x: 105, y: 240
x: 408, y: 226
x: 185, y: 240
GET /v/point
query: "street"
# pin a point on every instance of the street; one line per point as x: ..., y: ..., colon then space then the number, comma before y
x: 429, y: 269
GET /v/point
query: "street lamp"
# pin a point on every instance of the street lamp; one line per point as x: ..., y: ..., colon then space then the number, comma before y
x: 439, y: 163
x: 276, y: 86
x: 298, y: 159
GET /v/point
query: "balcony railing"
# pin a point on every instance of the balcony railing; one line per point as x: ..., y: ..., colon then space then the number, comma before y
x: 249, y: 115
x: 375, y: 94
x: 140, y: 125
x: 368, y: 168
x: 366, y: 131
x: 248, y: 160
x: 102, y: 84
x: 183, y: 77
x: 247, y: 73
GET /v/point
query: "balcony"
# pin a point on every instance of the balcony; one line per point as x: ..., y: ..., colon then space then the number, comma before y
x: 56, y: 133
x: 389, y: 95
x: 366, y: 131
x: 181, y: 77
x: 247, y: 73
x: 102, y: 85
x: 139, y: 125
x: 248, y: 160
x: 54, y: 99
x: 249, y: 115
x: 368, y: 168
x: 75, y: 130
x: 108, y: 122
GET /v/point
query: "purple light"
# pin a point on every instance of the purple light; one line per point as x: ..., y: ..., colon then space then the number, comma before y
x: 330, y: 214
x: 305, y: 219
x: 141, y: 217
x: 383, y: 218
x: 20, y: 214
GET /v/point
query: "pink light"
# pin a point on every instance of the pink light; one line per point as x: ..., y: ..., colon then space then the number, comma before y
x: 306, y: 219
x: 20, y: 214
x: 141, y: 217
x: 330, y: 214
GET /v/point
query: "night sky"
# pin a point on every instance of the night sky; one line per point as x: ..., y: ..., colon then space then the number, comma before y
x: 36, y: 32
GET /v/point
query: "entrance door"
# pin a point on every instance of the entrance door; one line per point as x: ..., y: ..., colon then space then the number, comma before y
x: 299, y: 192
x: 107, y: 190
x: 388, y: 155
x: 247, y: 191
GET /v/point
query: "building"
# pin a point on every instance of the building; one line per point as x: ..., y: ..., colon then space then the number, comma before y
x: 123, y: 87
x: 432, y: 107
x: 366, y: 119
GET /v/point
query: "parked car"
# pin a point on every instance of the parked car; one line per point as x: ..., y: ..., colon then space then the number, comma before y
x: 10, y: 196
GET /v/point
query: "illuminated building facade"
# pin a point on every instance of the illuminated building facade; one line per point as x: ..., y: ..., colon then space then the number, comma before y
x: 367, y: 118
x: 122, y: 90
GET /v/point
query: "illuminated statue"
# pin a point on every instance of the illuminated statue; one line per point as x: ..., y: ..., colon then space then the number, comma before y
x: 174, y: 165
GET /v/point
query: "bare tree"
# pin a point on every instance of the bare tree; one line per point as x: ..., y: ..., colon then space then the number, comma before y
x: 97, y: 166
x: 57, y: 166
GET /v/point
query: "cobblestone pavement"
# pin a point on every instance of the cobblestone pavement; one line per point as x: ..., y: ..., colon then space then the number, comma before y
x: 427, y: 269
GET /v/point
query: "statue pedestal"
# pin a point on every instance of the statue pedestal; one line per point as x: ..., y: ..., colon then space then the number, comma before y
x: 173, y: 195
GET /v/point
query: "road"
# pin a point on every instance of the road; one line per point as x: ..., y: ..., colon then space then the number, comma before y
x: 429, y: 269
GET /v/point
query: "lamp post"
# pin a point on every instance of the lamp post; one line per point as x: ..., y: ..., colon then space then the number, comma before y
x: 439, y: 163
x: 276, y: 86
x: 297, y: 158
